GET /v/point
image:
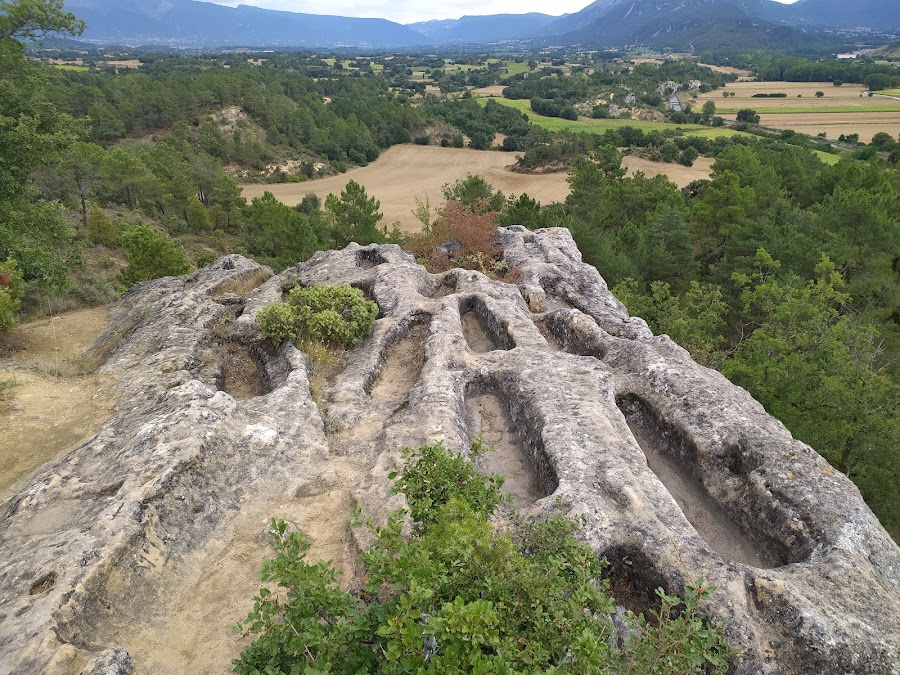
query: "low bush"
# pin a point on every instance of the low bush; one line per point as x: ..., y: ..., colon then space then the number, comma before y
x: 338, y: 316
x: 457, y: 596
x: 460, y: 237
x: 103, y: 230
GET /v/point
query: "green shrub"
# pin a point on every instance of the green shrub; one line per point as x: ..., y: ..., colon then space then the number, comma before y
x: 12, y: 288
x: 431, y: 477
x: 205, y: 257
x: 102, y: 230
x: 278, y: 321
x: 460, y: 597
x: 338, y: 316
x: 150, y: 255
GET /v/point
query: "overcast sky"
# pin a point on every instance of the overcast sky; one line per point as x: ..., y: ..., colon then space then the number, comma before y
x: 408, y: 11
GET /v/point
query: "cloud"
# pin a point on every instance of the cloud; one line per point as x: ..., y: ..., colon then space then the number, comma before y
x: 408, y: 11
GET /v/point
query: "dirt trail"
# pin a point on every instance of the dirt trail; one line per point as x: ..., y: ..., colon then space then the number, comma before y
x: 507, y: 455
x: 51, y: 408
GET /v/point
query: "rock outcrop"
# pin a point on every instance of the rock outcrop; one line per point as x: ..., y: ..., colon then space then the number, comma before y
x: 139, y: 549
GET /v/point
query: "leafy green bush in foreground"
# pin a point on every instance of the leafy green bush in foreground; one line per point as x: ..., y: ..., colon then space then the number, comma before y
x: 338, y: 316
x: 459, y: 597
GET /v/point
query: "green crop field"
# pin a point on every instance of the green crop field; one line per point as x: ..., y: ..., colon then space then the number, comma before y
x: 513, y: 68
x: 589, y: 125
x: 889, y: 92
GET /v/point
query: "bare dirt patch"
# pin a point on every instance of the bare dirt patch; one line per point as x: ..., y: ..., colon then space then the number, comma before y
x: 53, y: 408
x: 401, y: 369
x: 476, y: 336
x: 492, y: 90
x: 405, y: 172
x: 679, y: 174
x: 720, y: 532
x: 242, y: 375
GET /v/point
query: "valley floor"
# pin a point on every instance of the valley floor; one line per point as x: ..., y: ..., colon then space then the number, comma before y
x: 404, y: 173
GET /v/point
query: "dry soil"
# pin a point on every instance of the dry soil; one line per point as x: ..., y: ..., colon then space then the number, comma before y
x: 52, y: 408
x: 406, y: 172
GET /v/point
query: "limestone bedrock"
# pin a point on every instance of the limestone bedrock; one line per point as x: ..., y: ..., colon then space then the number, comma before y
x: 678, y: 473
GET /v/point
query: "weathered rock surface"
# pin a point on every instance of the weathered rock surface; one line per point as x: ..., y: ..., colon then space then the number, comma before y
x: 150, y: 534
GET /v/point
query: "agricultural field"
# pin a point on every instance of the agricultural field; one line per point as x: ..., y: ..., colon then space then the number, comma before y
x: 847, y: 109
x: 677, y: 173
x: 864, y: 124
x: 407, y: 172
x: 513, y: 68
x: 135, y: 63
x: 495, y: 90
x: 598, y: 126
x: 799, y: 94
x: 727, y: 70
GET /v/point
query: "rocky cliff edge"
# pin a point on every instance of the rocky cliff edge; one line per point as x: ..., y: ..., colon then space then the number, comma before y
x: 137, y: 550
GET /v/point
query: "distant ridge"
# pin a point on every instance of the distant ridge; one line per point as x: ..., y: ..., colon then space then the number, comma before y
x: 875, y: 13
x: 491, y: 28
x: 189, y: 23
x: 680, y: 25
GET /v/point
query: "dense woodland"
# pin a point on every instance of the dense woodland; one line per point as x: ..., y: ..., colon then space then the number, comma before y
x: 780, y: 271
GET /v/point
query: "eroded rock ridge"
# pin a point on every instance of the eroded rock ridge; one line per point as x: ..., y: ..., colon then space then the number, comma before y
x: 138, y: 550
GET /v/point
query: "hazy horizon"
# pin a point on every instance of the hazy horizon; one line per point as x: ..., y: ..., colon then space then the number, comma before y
x: 407, y: 11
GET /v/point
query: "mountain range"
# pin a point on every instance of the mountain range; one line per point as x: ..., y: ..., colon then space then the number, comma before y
x: 676, y: 24
x: 491, y: 28
x: 189, y: 23
x: 683, y: 25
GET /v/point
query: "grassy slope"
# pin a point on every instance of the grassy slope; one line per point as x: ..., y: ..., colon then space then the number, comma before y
x: 827, y: 157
